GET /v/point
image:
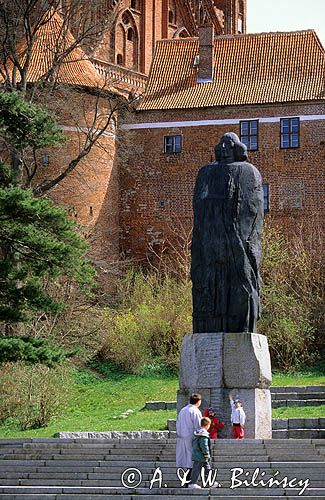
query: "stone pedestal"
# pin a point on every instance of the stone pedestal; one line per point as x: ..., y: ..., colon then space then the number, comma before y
x: 215, y: 364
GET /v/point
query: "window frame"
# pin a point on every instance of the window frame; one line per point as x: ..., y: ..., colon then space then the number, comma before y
x: 249, y: 135
x: 290, y: 133
x: 173, y: 144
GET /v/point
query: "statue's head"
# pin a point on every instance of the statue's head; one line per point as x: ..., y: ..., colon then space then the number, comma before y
x: 230, y: 149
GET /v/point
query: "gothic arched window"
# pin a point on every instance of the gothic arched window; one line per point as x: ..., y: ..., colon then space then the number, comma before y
x: 126, y: 40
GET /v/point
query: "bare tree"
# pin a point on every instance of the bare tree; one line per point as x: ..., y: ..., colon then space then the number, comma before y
x: 22, y: 23
x: 24, y: 26
x: 172, y: 255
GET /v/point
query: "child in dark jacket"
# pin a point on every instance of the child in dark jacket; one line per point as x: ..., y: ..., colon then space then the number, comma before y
x: 201, y: 452
x: 215, y: 423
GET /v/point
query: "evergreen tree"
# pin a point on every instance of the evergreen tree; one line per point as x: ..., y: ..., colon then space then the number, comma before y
x: 38, y: 241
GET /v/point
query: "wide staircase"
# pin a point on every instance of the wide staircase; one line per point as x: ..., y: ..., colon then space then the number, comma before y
x: 96, y: 469
x: 312, y: 395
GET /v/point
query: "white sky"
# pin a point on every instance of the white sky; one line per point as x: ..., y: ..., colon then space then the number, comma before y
x: 286, y: 15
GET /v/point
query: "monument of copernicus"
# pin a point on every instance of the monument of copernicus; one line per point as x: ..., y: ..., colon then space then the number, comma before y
x: 225, y: 353
x: 226, y: 244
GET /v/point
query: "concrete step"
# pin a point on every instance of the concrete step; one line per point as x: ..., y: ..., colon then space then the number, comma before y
x: 283, y: 403
x: 162, y: 494
x: 297, y: 389
x: 68, y: 469
x: 299, y: 395
x: 299, y: 433
x: 137, y: 497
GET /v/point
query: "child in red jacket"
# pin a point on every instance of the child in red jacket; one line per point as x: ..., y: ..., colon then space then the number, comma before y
x: 215, y: 424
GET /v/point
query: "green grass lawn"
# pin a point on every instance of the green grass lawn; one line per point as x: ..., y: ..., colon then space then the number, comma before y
x: 299, y: 412
x: 97, y: 403
x: 310, y: 377
x: 98, y: 400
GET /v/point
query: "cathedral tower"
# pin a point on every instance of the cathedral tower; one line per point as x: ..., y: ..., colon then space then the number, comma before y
x: 136, y: 25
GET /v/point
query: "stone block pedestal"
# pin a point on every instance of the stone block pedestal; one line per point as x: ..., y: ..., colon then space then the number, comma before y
x: 215, y: 364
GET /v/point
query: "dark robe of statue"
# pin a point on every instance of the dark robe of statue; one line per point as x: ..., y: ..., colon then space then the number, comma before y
x: 226, y: 243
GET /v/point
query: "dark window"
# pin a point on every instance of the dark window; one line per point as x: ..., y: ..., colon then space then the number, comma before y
x: 130, y: 34
x: 266, y: 198
x: 289, y: 132
x: 172, y: 144
x: 125, y: 18
x: 249, y: 134
x: 119, y: 59
x: 135, y: 4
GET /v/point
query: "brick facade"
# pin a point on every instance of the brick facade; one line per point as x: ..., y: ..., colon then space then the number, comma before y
x: 156, y: 188
x: 91, y: 191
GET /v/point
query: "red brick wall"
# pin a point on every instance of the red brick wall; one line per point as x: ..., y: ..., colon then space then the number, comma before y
x: 150, y: 177
x: 91, y: 191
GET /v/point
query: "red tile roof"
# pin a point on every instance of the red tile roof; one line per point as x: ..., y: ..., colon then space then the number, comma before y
x: 52, y: 40
x: 249, y: 69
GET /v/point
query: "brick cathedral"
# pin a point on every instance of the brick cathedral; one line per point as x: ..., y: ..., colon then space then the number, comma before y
x: 196, y: 74
x: 138, y: 24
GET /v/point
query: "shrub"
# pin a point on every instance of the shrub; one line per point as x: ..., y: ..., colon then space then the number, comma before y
x: 33, y: 394
x: 153, y: 310
x: 287, y: 303
x: 148, y: 322
x: 126, y: 344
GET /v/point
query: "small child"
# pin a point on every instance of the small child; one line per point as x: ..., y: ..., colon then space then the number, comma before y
x: 238, y: 418
x: 215, y: 424
x: 201, y: 453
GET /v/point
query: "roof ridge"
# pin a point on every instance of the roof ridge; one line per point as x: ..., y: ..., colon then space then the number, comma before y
x: 240, y: 35
x: 187, y: 39
x: 294, y: 32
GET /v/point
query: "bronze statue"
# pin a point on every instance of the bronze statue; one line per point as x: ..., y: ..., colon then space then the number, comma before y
x: 226, y: 242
